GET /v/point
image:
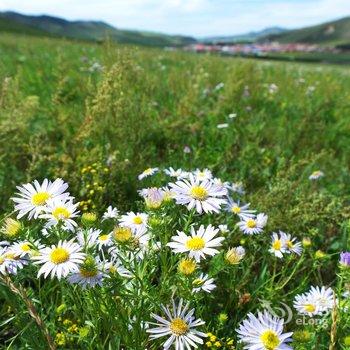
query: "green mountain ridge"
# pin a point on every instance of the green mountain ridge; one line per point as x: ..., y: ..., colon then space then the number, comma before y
x: 251, y: 36
x: 332, y: 33
x: 85, y: 30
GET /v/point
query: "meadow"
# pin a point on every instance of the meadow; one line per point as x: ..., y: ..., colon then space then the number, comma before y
x: 100, y: 115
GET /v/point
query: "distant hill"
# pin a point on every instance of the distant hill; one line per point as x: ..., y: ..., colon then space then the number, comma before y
x: 331, y: 33
x: 84, y: 30
x: 248, y: 37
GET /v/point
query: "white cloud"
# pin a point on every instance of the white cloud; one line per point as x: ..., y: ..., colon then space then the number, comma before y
x: 193, y: 17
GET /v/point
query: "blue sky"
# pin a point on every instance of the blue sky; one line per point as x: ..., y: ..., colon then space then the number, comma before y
x: 191, y: 17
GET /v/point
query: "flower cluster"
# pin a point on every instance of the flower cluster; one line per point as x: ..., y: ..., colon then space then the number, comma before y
x: 73, y: 248
x: 316, y: 301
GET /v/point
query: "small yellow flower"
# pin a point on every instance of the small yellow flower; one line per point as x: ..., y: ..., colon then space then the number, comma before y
x: 213, y: 338
x: 217, y: 344
x: 208, y: 344
x: 60, y: 339
x: 67, y: 322
x: 122, y: 234
x: 320, y: 254
x: 11, y: 228
x: 187, y: 266
x: 88, y: 218
x: 306, y: 242
x: 73, y: 328
x: 302, y: 336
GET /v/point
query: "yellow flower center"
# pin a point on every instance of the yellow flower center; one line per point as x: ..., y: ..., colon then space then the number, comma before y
x: 103, y: 238
x: 122, y: 234
x: 199, y: 193
x: 197, y: 282
x: 309, y: 307
x: 2, y: 260
x: 10, y: 256
x: 137, y: 220
x: 86, y: 273
x: 178, y: 326
x: 277, y: 245
x: 290, y: 244
x: 59, y: 255
x: 251, y: 223
x: 60, y: 213
x: 26, y: 247
x: 40, y: 198
x: 270, y: 340
x: 236, y: 209
x: 195, y: 243
x: 148, y: 171
x: 187, y: 266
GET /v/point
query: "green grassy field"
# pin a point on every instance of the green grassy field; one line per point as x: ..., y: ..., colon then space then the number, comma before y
x: 99, y: 115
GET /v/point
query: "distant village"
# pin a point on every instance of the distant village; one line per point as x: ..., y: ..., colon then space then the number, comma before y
x: 257, y: 49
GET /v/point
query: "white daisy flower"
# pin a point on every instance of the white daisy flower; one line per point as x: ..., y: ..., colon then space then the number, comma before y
x: 179, y: 325
x: 110, y: 213
x: 136, y: 242
x: 264, y: 332
x: 104, y: 240
x: 235, y: 255
x: 136, y: 222
x: 223, y: 228
x: 203, y: 282
x: 58, y: 211
x: 90, y: 274
x: 116, y: 266
x: 306, y: 305
x: 201, y: 195
x: 88, y: 238
x: 33, y: 197
x: 278, y: 245
x: 273, y: 88
x: 242, y: 211
x: 324, y: 297
x: 179, y: 173
x: 60, y: 260
x: 253, y: 225
x: 316, y: 175
x: 220, y: 184
x: 25, y: 248
x: 147, y: 172
x: 237, y: 187
x: 153, y: 196
x: 202, y: 175
x: 10, y: 263
x: 291, y: 245
x: 198, y: 244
